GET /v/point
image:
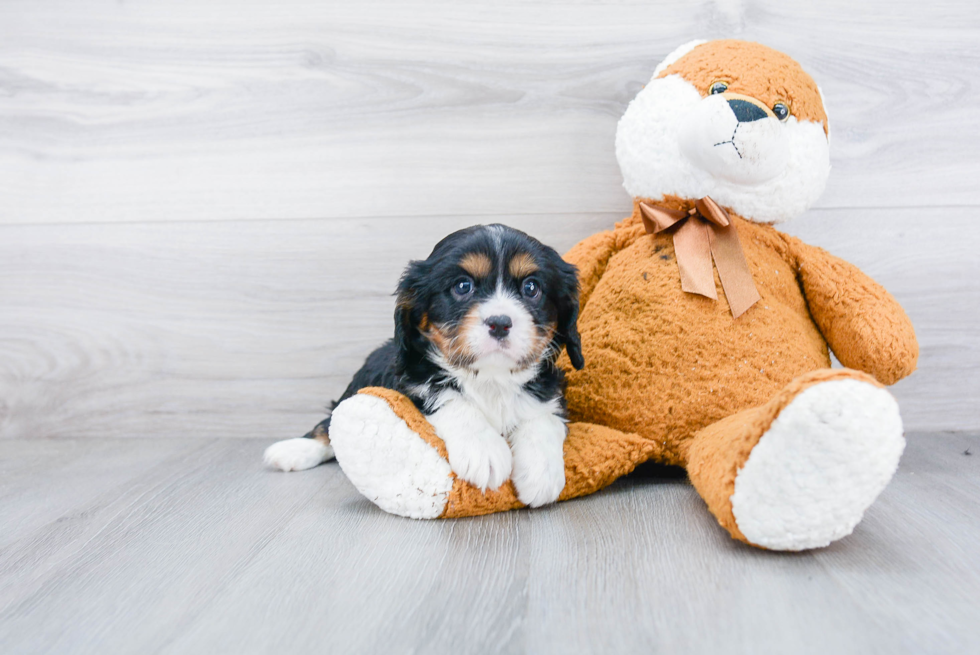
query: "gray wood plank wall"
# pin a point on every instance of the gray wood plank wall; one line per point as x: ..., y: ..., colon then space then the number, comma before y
x: 204, y: 207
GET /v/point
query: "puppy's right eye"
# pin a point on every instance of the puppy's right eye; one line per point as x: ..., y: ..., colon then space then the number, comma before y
x: 462, y: 288
x: 718, y: 87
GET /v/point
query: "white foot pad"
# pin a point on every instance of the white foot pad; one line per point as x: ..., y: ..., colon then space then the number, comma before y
x: 821, y: 464
x: 297, y: 454
x: 388, y: 462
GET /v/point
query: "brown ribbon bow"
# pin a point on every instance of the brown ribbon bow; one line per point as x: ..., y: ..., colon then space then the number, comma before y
x: 707, y: 232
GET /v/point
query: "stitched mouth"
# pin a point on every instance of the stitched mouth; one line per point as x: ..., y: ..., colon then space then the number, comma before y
x: 732, y: 141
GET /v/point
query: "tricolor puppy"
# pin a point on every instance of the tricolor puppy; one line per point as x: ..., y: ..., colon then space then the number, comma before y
x: 478, y: 327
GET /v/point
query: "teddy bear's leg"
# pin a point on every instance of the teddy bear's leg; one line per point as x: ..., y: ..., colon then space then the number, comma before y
x: 799, y: 471
x: 392, y: 456
x: 382, y: 449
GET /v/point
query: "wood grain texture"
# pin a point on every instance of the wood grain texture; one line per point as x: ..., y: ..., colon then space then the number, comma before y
x: 250, y: 328
x: 204, y: 208
x: 197, y: 329
x: 235, y: 109
x: 377, y: 128
x: 205, y: 552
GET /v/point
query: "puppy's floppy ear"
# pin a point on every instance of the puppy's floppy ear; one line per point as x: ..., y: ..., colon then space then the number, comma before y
x: 409, y: 306
x: 566, y: 299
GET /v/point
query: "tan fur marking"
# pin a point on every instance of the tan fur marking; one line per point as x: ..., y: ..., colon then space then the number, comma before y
x: 542, y: 339
x: 522, y: 265
x: 452, y: 341
x: 476, y: 264
x: 754, y: 70
x: 319, y: 434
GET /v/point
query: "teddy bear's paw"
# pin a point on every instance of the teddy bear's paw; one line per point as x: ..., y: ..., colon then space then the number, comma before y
x: 819, y: 466
x: 297, y: 454
x: 539, y: 464
x: 387, y: 461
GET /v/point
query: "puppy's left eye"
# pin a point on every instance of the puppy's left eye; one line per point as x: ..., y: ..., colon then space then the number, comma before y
x: 531, y: 289
x: 462, y: 288
x: 781, y: 110
x: 717, y: 87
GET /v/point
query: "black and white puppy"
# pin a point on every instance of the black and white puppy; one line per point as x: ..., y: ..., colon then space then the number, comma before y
x: 478, y: 327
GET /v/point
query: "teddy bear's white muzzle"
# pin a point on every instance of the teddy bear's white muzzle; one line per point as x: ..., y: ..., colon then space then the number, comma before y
x: 741, y: 152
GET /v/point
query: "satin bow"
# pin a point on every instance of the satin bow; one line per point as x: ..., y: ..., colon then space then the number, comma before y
x: 706, y: 232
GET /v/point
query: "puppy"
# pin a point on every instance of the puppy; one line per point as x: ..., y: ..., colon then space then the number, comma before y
x: 478, y: 327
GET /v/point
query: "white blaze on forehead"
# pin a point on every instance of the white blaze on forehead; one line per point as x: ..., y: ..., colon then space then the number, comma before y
x: 496, y: 233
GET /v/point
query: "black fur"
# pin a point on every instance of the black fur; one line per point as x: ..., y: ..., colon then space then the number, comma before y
x: 424, y: 297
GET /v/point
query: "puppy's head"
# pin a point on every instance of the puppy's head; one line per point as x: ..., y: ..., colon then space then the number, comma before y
x: 489, y: 297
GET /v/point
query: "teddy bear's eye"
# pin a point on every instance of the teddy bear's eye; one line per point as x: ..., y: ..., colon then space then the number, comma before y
x: 717, y: 87
x: 781, y: 111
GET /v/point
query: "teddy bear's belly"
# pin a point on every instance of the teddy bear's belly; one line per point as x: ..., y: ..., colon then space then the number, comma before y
x: 664, y: 363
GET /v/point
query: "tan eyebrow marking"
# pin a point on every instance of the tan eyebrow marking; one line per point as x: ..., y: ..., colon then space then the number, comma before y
x: 476, y: 264
x: 522, y: 265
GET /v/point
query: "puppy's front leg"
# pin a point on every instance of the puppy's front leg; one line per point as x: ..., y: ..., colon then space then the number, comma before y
x: 539, y: 462
x: 477, y: 452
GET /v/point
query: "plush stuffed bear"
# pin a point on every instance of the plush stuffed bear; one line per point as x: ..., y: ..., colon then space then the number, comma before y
x: 705, y: 330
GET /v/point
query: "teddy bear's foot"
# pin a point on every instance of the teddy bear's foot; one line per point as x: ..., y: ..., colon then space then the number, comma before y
x: 800, y: 472
x: 819, y: 466
x: 387, y: 461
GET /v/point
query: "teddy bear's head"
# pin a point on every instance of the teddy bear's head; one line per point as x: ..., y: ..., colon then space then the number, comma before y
x: 734, y: 120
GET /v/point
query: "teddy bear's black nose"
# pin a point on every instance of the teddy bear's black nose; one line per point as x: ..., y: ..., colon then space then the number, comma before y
x: 745, y: 111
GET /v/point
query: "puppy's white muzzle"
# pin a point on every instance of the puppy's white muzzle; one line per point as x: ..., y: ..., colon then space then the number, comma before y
x: 491, y: 350
x: 713, y: 139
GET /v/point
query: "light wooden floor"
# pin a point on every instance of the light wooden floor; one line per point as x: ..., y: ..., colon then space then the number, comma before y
x: 187, y: 546
x: 204, y: 208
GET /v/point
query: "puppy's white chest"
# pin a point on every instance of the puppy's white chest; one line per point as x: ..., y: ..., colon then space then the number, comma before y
x: 504, y: 401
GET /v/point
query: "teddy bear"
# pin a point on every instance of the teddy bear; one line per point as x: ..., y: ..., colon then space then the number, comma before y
x: 706, y: 331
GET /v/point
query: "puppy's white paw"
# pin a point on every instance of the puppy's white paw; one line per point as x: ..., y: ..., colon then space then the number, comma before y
x: 482, y: 458
x: 539, y: 464
x: 539, y: 480
x: 477, y: 453
x: 297, y: 454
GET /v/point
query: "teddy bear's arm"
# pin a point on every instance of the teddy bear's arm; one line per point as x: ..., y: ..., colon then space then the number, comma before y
x: 864, y: 325
x: 590, y: 256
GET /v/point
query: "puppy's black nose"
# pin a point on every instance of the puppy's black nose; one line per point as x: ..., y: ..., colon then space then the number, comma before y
x: 499, y: 326
x: 745, y: 111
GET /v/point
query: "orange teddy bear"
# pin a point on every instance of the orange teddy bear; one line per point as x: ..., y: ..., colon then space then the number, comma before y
x: 705, y: 330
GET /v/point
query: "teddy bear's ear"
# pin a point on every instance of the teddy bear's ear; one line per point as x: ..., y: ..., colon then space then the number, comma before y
x: 566, y: 300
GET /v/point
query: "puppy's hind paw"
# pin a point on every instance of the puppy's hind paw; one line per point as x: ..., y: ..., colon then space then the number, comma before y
x: 297, y: 454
